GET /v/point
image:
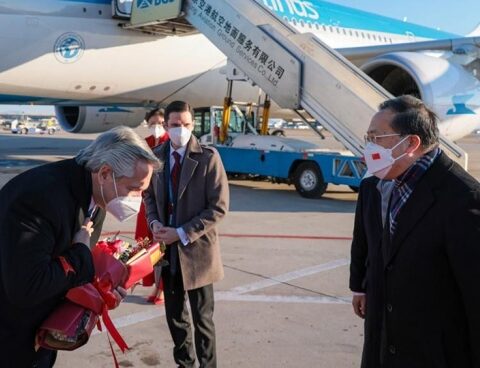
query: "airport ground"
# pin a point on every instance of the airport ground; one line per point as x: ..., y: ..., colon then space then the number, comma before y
x: 284, y: 301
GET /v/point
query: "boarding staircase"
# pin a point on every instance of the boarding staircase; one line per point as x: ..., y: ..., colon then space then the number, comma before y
x: 297, y: 70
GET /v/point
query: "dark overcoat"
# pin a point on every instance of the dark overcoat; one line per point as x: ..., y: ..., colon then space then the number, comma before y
x: 40, y: 211
x: 423, y: 299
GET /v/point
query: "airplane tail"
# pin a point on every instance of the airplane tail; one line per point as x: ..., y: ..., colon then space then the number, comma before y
x: 475, y: 32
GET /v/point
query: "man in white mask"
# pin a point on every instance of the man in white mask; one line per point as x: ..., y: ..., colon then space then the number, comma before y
x: 45, y: 238
x: 415, y: 251
x: 185, y: 202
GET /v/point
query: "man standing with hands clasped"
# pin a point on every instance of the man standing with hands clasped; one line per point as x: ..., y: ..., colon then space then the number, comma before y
x: 186, y: 199
x: 416, y: 246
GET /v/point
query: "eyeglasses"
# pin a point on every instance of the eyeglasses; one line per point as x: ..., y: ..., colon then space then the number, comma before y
x: 373, y: 138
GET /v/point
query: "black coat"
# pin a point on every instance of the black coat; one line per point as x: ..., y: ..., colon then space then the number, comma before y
x: 40, y: 211
x: 423, y: 294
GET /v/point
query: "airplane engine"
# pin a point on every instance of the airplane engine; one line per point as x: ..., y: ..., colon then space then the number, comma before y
x: 97, y: 119
x: 449, y: 89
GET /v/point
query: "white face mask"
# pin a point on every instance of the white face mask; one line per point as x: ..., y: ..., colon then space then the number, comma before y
x: 179, y: 136
x: 122, y: 208
x: 157, y: 130
x: 379, y: 160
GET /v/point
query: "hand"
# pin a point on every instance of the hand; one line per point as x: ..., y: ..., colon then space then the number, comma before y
x: 359, y: 303
x: 120, y: 293
x: 83, y: 235
x: 156, y: 228
x: 168, y: 235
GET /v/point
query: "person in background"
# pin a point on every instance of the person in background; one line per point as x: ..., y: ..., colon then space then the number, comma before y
x: 155, y: 121
x: 156, y: 124
x: 415, y: 252
x: 186, y: 200
x: 46, y: 236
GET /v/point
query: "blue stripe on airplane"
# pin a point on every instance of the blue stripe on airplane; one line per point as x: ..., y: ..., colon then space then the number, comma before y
x: 23, y: 100
x: 337, y: 15
x: 90, y: 1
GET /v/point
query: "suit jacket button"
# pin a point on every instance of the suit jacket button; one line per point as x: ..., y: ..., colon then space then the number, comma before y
x: 392, y: 349
x: 389, y: 307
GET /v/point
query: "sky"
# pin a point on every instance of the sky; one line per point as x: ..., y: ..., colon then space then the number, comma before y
x: 461, y: 17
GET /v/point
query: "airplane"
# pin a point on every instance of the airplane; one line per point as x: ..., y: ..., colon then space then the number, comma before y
x: 73, y: 54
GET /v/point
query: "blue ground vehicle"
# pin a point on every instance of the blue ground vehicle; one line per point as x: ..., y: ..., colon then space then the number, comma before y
x: 279, y: 159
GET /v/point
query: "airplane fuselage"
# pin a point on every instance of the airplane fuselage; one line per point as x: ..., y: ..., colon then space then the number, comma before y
x: 72, y: 52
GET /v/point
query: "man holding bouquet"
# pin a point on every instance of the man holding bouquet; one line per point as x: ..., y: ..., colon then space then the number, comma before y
x: 45, y: 240
x: 186, y: 200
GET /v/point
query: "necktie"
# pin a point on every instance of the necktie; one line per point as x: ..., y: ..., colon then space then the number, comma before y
x: 175, y: 175
x: 175, y: 172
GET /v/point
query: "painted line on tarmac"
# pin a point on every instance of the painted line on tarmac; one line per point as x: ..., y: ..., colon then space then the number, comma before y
x: 134, y: 318
x: 228, y: 296
x: 275, y: 280
x: 259, y: 236
x: 238, y: 294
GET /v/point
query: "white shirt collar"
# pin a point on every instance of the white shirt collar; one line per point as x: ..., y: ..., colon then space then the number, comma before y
x: 181, y: 151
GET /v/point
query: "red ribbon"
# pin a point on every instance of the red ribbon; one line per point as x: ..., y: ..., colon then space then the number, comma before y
x: 106, y: 290
x: 67, y: 267
x: 99, y: 297
x: 112, y: 330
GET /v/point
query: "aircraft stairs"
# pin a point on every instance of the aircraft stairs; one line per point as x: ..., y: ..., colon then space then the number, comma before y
x: 297, y: 70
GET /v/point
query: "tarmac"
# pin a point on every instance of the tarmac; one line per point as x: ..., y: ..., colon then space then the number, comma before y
x: 284, y: 301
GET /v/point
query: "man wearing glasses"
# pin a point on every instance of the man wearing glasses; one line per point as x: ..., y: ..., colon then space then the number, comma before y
x: 415, y: 256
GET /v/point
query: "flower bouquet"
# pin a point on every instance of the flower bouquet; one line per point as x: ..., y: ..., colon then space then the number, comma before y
x: 117, y: 263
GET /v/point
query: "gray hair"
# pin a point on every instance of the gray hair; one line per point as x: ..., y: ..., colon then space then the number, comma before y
x: 120, y: 148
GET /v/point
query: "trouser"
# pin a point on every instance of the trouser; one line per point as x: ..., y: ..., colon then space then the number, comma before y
x: 45, y: 358
x: 20, y: 354
x: 201, y: 306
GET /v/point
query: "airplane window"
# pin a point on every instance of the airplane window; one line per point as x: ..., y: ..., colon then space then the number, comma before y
x: 375, y: 37
x: 302, y: 23
x: 350, y: 31
x: 324, y: 28
x: 294, y: 21
x: 330, y: 28
x: 356, y: 33
x: 309, y: 25
x: 338, y: 30
x: 316, y: 26
x: 344, y: 32
x: 363, y: 35
x: 368, y: 35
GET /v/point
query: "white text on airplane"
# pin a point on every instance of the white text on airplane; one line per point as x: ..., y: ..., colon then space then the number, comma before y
x: 295, y: 7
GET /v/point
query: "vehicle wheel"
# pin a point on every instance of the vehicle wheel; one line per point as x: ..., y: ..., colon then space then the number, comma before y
x: 355, y: 189
x: 308, y: 180
x: 278, y: 133
x: 24, y: 131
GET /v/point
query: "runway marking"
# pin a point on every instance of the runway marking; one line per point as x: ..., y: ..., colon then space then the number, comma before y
x: 257, y: 236
x: 239, y: 294
x: 228, y: 296
x: 290, y: 276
